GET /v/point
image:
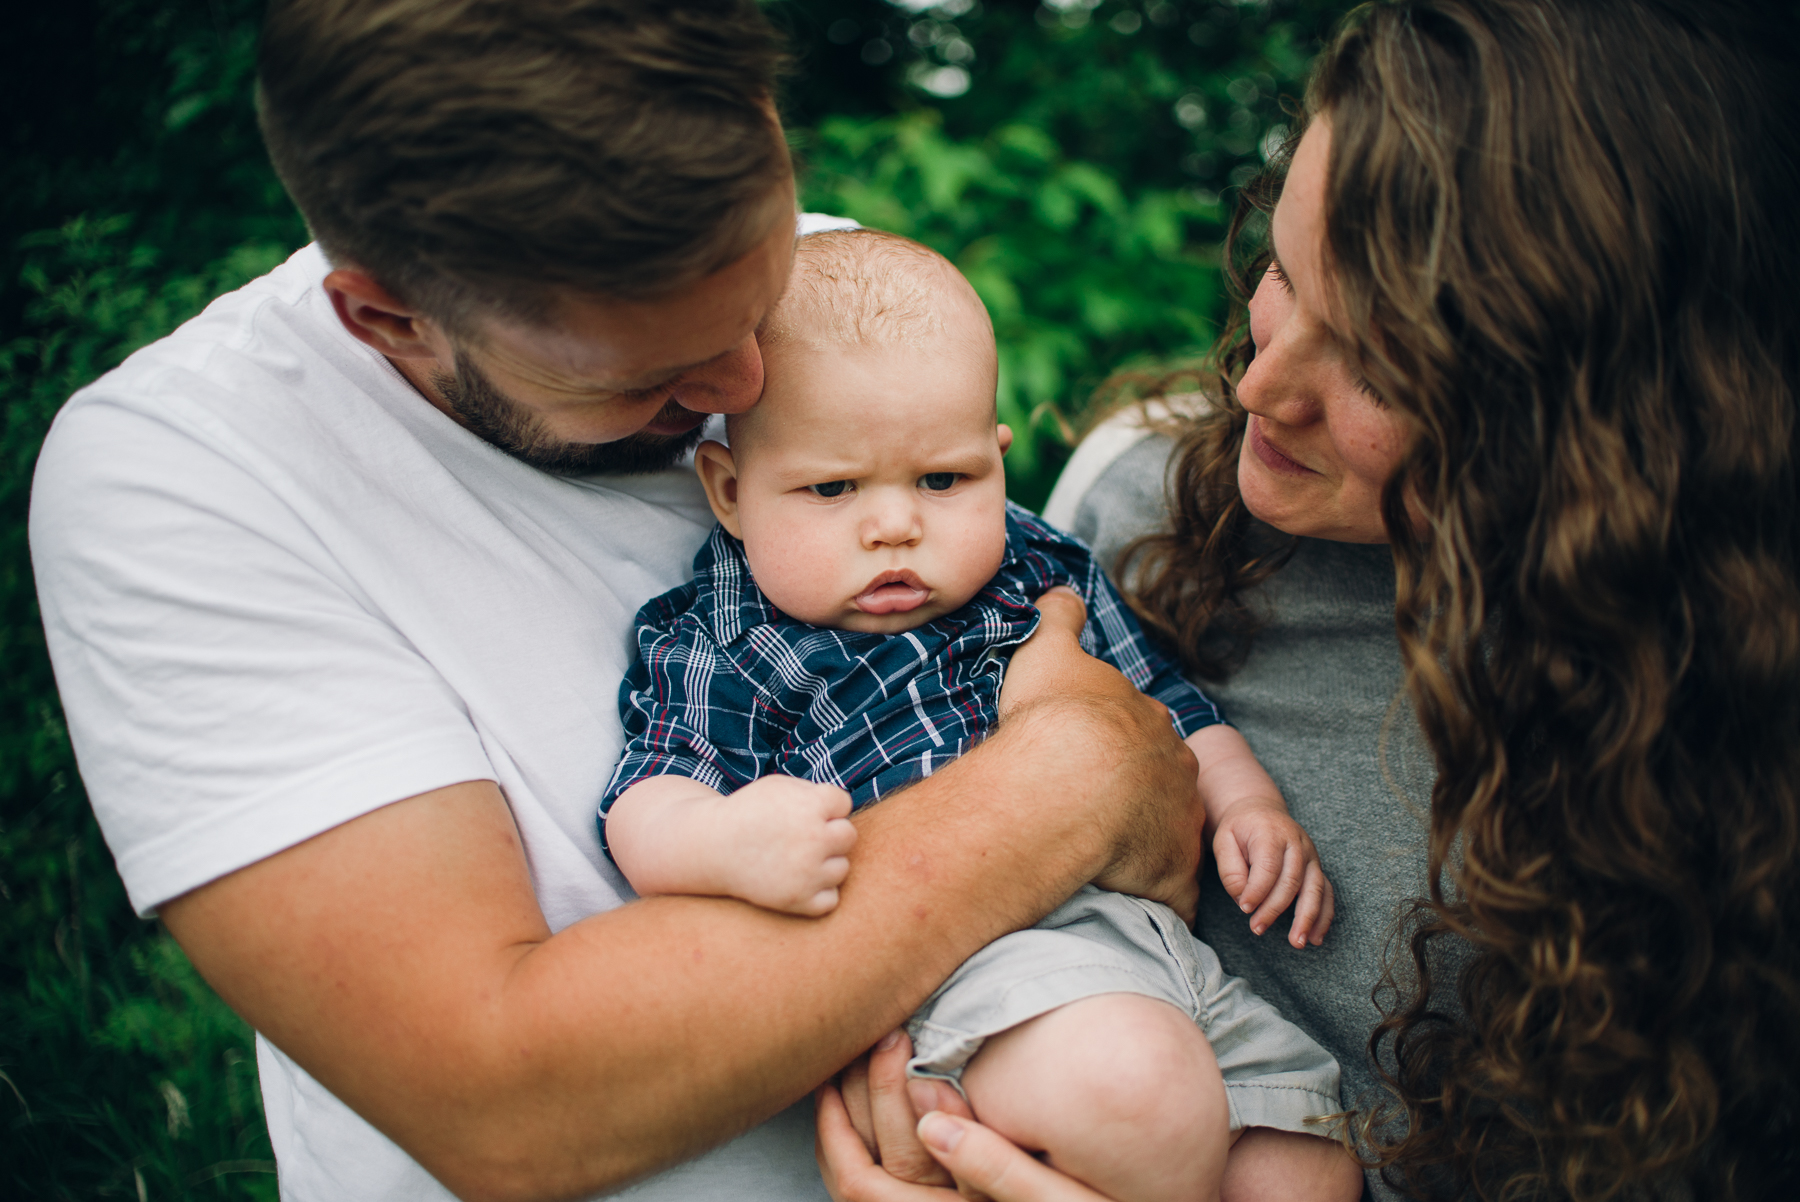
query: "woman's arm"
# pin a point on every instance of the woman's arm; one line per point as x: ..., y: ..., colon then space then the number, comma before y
x: 402, y: 958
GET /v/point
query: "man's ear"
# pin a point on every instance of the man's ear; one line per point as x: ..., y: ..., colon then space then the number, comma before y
x: 1004, y: 432
x: 374, y: 316
x: 718, y: 476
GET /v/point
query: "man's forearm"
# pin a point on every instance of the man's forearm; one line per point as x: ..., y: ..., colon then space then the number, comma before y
x: 515, y: 1064
x: 402, y: 958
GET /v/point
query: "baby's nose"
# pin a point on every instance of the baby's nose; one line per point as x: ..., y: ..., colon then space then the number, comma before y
x: 892, y: 521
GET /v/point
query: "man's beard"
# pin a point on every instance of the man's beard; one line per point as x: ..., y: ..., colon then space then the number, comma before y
x: 494, y: 417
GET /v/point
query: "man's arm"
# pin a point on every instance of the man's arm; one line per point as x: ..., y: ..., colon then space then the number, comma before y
x: 402, y: 958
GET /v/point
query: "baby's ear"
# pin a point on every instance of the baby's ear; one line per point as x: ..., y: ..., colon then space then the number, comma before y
x: 718, y: 476
x: 1004, y: 433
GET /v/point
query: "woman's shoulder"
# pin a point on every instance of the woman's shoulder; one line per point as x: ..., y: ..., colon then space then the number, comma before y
x: 1113, y: 489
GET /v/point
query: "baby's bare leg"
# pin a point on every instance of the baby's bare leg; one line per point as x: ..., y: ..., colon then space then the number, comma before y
x: 1267, y: 1165
x: 1120, y: 1090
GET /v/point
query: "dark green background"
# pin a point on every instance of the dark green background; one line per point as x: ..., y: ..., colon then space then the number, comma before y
x: 1077, y: 181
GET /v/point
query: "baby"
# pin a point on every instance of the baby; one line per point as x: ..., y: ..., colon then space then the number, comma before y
x: 848, y: 626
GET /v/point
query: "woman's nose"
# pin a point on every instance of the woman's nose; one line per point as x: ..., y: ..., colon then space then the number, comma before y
x: 892, y: 520
x: 1282, y: 381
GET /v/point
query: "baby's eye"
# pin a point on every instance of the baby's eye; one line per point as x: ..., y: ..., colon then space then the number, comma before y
x: 938, y: 481
x: 831, y: 488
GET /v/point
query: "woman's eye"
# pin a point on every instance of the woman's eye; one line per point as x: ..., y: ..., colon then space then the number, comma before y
x: 831, y: 488
x: 937, y: 481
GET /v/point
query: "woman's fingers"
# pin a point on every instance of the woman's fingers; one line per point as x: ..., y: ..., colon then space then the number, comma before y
x: 983, y: 1162
x: 850, y: 1173
x: 895, y: 1122
x: 928, y: 1094
x: 855, y: 1086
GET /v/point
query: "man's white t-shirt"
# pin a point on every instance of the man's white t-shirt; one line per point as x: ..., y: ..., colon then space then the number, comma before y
x: 282, y: 590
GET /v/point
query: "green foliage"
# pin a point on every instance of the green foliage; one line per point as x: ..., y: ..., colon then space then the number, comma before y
x: 123, y: 1073
x: 1077, y: 276
x: 1069, y: 157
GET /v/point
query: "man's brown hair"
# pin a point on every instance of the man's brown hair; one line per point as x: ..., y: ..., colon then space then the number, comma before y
x: 483, y: 156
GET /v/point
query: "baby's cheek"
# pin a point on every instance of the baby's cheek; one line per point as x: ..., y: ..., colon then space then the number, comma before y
x: 983, y: 551
x: 793, y: 572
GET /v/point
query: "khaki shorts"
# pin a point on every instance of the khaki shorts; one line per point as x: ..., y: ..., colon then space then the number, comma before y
x: 1100, y: 942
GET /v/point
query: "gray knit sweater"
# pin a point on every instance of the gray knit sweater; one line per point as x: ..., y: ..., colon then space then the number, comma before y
x: 1320, y: 702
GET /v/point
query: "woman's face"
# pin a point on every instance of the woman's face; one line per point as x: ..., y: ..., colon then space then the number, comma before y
x: 1320, y: 446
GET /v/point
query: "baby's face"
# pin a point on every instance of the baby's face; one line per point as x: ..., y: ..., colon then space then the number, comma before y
x: 870, y: 494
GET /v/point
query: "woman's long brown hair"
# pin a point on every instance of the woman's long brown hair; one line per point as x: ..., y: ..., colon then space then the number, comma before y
x: 1565, y: 237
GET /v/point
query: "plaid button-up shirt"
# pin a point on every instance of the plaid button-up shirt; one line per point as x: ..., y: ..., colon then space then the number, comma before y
x: 726, y: 688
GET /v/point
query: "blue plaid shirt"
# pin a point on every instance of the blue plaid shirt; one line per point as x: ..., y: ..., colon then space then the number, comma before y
x: 726, y: 688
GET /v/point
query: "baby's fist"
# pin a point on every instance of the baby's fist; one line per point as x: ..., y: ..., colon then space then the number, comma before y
x: 793, y: 841
x: 1267, y: 862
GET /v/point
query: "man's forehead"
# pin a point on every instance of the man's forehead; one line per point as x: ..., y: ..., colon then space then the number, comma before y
x: 604, y: 344
x: 583, y: 358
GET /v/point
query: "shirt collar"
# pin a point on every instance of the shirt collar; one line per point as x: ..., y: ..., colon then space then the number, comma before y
x: 728, y: 595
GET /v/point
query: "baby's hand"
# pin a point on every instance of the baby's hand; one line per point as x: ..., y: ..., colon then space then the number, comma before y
x: 1266, y: 862
x: 790, y: 842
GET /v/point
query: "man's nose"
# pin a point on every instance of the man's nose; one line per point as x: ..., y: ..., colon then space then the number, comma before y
x: 731, y: 383
x: 891, y: 520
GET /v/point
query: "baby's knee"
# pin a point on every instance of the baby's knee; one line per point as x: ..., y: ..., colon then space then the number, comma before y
x: 1124, y: 1060
x: 1146, y: 1061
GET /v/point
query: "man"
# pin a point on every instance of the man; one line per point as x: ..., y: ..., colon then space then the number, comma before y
x: 339, y: 578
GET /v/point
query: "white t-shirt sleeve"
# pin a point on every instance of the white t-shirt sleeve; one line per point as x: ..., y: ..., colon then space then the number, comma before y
x: 230, y: 692
x: 816, y: 223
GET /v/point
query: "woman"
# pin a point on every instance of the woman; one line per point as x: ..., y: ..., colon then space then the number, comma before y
x: 1519, y: 383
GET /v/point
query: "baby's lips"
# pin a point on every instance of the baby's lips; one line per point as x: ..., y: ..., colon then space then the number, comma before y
x: 893, y: 592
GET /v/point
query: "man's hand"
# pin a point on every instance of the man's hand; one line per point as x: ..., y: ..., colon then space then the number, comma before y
x: 781, y: 843
x: 1156, y: 848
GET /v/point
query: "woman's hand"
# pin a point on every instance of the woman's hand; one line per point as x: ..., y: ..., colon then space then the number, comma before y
x: 872, y: 1149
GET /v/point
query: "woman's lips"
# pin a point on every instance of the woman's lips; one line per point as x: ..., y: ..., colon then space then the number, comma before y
x: 892, y: 593
x: 1271, y: 458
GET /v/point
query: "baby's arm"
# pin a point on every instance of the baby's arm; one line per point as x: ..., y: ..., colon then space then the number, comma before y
x: 1266, y: 861
x: 779, y: 842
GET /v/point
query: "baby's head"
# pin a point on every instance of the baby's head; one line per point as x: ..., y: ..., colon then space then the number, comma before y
x: 866, y: 484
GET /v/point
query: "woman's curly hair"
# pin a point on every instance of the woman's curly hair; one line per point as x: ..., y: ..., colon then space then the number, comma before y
x: 1566, y: 239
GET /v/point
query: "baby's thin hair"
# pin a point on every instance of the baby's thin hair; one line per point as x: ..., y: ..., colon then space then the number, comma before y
x: 865, y: 287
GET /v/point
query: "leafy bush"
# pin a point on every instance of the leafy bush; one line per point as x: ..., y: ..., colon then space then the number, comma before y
x: 1071, y: 163
x: 1070, y: 157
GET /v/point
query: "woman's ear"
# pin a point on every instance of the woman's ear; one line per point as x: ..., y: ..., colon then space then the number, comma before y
x: 718, y: 476
x: 1004, y: 433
